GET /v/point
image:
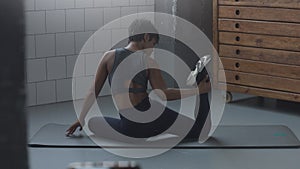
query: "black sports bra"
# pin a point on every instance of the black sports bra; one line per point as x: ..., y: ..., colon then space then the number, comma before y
x: 138, y: 62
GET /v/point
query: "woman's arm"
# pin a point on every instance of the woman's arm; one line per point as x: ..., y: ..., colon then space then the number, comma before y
x: 94, y: 91
x: 157, y: 82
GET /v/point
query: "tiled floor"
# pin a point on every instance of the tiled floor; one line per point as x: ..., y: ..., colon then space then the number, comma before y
x: 251, y: 111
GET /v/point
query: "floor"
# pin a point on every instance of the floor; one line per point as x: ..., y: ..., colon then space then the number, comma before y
x: 242, y: 111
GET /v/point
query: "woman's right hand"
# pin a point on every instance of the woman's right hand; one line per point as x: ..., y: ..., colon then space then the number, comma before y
x: 73, y: 128
x: 204, y: 86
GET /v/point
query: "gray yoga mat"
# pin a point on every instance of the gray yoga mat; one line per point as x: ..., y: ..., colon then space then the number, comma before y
x: 258, y: 136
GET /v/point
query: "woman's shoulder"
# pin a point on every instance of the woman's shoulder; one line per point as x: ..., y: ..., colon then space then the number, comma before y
x: 109, y: 55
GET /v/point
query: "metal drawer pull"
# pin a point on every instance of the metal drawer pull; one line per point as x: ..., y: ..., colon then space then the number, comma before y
x: 237, y: 64
x: 237, y: 38
x: 237, y: 25
x: 237, y: 77
x: 237, y: 12
x: 237, y: 51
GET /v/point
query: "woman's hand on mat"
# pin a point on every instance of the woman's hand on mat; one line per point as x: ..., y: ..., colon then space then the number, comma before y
x: 204, y: 86
x: 73, y: 128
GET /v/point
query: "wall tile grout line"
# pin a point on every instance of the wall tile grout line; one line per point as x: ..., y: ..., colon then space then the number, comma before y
x: 35, y: 55
x: 51, y: 10
x: 65, y: 20
x: 36, y: 95
x: 66, y: 68
x: 34, y: 5
x: 65, y: 78
x: 74, y: 44
x: 45, y: 21
x: 46, y: 60
x: 45, y: 57
x: 55, y: 81
x: 84, y: 20
x: 55, y: 4
x: 55, y: 44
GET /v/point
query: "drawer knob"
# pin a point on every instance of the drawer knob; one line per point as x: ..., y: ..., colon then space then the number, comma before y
x: 237, y: 38
x: 237, y: 12
x: 237, y: 51
x: 237, y: 77
x: 237, y: 64
x: 236, y: 0
x: 237, y: 25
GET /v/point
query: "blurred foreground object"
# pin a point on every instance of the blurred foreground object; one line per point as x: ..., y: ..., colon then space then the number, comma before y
x: 104, y: 165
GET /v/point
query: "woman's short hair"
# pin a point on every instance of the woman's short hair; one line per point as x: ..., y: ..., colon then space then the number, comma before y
x: 139, y: 27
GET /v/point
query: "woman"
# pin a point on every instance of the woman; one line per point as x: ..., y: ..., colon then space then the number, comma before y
x: 139, y: 100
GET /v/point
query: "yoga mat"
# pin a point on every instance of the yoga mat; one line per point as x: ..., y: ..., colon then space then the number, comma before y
x: 258, y: 136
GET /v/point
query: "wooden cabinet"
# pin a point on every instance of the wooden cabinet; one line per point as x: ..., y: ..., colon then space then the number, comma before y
x: 258, y: 42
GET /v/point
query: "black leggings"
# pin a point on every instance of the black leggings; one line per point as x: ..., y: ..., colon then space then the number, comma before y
x: 153, y: 128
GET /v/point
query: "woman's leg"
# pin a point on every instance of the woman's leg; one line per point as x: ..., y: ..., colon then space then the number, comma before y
x: 202, y: 117
x: 99, y: 126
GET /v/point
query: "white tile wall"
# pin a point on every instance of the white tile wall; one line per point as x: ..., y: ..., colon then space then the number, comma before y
x: 128, y: 10
x: 138, y: 2
x: 82, y: 86
x: 46, y: 92
x: 105, y: 89
x: 145, y: 9
x: 147, y: 16
x: 35, y: 22
x: 44, y: 4
x: 36, y: 70
x: 127, y: 20
x: 118, y: 35
x: 83, y: 3
x: 55, y: 21
x: 80, y: 65
x: 84, y: 38
x: 30, y: 46
x: 120, y: 2
x: 93, y: 19
x: 91, y: 63
x: 111, y: 14
x: 150, y: 2
x: 56, y: 68
x: 64, y: 4
x: 31, y: 94
x: 65, y: 43
x: 75, y: 20
x: 102, y: 40
x: 55, y: 33
x: 45, y: 45
x: 102, y: 3
x: 64, y: 90
x: 29, y: 5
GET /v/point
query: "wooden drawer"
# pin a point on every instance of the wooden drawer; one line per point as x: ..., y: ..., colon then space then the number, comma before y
x: 263, y: 3
x: 261, y: 81
x: 262, y: 92
x: 254, y: 13
x: 263, y: 41
x: 259, y: 45
x: 262, y: 68
x: 260, y: 27
x: 259, y: 54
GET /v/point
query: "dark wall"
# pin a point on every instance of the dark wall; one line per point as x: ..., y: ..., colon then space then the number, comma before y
x: 198, y: 12
x: 13, y: 153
